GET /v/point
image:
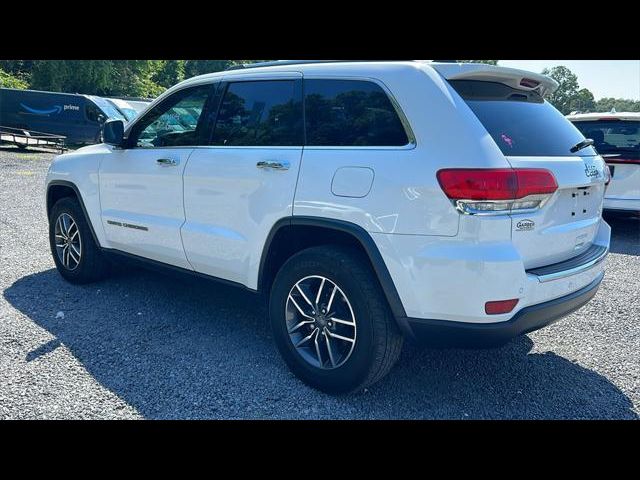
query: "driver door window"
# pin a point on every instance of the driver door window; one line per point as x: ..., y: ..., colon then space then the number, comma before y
x: 175, y: 122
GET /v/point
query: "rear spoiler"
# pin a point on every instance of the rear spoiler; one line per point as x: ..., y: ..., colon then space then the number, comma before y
x: 518, y: 79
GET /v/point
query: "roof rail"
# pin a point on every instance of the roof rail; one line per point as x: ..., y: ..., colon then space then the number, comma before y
x: 292, y: 62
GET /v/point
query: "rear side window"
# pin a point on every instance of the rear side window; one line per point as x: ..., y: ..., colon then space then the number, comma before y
x: 522, y: 123
x: 351, y: 113
x: 613, y: 136
x: 261, y: 113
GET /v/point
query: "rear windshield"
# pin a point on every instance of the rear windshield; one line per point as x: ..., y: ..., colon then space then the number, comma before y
x: 613, y: 136
x: 522, y: 123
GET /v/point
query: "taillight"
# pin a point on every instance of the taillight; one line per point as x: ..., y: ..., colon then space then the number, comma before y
x: 495, y: 191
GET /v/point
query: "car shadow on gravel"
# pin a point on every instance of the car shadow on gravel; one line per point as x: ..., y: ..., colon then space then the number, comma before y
x: 625, y: 233
x: 179, y: 349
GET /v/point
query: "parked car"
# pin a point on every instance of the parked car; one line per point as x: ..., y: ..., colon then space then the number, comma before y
x: 124, y: 107
x: 617, y: 137
x: 78, y: 117
x: 369, y: 201
x: 139, y: 105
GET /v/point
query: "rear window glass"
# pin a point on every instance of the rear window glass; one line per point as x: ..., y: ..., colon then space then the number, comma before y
x: 613, y: 136
x: 521, y: 123
x: 351, y: 113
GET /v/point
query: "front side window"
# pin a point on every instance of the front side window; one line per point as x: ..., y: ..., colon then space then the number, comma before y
x: 174, y: 122
x: 351, y: 113
x: 260, y: 113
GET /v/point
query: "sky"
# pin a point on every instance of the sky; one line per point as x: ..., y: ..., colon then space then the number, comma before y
x: 604, y: 78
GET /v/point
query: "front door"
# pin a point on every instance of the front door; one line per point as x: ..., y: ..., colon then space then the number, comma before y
x: 141, y: 187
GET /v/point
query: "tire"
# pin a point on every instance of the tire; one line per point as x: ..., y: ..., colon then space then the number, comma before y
x: 92, y: 266
x: 377, y: 341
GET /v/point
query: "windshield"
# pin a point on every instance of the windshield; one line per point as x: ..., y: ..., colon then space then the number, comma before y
x: 521, y: 122
x: 108, y: 109
x: 130, y: 113
x: 613, y: 136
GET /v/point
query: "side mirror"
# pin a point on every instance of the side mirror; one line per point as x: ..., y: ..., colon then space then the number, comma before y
x: 113, y: 132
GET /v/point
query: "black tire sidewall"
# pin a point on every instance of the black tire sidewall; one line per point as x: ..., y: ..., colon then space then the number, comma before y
x: 85, y: 272
x: 347, y: 377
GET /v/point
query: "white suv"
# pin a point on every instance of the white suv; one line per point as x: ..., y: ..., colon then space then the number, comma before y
x: 617, y: 137
x: 370, y: 201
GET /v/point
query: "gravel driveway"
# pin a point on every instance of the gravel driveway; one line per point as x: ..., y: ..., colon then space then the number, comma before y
x: 145, y: 345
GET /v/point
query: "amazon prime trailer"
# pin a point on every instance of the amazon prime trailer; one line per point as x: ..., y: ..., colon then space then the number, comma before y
x: 79, y: 118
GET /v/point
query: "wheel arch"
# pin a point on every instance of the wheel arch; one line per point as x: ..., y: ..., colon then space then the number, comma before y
x: 59, y: 189
x: 291, y: 235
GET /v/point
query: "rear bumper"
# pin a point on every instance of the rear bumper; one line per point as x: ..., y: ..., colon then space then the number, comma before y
x: 458, y: 334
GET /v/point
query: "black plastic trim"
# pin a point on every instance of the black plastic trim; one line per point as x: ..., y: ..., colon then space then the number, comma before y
x: 592, y: 253
x: 363, y: 237
x: 64, y: 183
x: 155, y: 265
x: 457, y: 334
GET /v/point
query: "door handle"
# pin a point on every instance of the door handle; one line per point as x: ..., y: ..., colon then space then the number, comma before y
x: 274, y: 165
x: 166, y: 162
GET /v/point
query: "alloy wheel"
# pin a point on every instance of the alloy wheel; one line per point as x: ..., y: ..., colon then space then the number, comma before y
x: 320, y: 322
x: 68, y: 242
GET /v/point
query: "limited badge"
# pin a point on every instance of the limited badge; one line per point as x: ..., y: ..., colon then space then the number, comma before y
x: 525, y: 225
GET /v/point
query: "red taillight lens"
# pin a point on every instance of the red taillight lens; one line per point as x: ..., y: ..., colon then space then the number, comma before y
x: 496, y: 184
x: 498, y: 308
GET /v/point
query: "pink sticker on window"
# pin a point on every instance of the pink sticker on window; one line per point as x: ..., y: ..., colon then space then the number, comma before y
x: 507, y: 139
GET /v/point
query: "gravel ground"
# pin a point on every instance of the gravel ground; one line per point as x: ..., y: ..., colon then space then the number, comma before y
x: 145, y: 345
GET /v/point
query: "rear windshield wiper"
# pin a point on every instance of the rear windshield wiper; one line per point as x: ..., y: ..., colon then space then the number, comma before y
x: 584, y: 144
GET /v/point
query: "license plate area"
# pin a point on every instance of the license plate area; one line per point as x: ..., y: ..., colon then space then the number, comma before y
x: 577, y: 204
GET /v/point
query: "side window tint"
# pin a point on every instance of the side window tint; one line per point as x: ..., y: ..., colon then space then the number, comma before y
x: 173, y: 123
x: 261, y: 113
x: 92, y: 112
x: 351, y: 113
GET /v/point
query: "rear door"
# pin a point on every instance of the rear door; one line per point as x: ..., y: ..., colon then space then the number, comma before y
x: 533, y: 134
x: 236, y: 189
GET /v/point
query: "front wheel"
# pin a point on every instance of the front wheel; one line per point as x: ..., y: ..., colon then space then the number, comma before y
x: 331, y: 322
x: 75, y: 253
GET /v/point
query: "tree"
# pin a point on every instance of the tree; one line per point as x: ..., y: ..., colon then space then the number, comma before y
x: 569, y: 96
x: 9, y: 81
x: 620, y: 104
x: 488, y: 62
x: 583, y: 101
x: 170, y: 73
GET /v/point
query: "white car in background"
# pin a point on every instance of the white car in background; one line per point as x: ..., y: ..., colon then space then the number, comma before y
x: 124, y: 107
x: 616, y: 137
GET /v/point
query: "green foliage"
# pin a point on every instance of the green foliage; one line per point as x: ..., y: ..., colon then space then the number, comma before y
x: 488, y: 62
x: 582, y: 101
x: 567, y: 93
x: 170, y: 73
x: 620, y: 104
x: 149, y: 78
x: 9, y: 81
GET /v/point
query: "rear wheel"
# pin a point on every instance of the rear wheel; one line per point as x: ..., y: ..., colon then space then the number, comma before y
x: 331, y: 321
x: 75, y: 253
